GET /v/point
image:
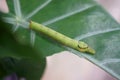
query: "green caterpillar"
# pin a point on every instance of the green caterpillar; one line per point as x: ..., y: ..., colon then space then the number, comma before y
x: 78, y: 45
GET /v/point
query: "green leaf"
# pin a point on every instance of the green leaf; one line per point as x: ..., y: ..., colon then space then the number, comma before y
x: 18, y: 58
x: 30, y: 70
x: 9, y: 46
x: 79, y: 19
x: 23, y: 68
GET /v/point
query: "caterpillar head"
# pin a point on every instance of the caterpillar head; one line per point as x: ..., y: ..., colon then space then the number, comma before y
x: 83, y: 47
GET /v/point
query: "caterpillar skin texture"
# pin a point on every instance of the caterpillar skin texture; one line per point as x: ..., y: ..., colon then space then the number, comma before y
x: 78, y: 45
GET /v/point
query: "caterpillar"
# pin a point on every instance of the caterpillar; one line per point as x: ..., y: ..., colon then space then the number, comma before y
x: 67, y: 41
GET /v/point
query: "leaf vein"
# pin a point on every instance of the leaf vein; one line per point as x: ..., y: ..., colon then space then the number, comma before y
x: 90, y: 34
x: 38, y: 9
x: 66, y: 15
x: 107, y: 61
x: 17, y: 8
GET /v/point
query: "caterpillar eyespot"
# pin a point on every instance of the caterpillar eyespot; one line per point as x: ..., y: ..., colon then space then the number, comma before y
x: 82, y: 45
x: 78, y: 45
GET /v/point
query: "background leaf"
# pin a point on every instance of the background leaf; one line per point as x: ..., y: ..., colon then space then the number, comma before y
x: 79, y: 19
x: 17, y: 58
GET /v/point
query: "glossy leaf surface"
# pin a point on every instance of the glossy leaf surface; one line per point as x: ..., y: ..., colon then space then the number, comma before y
x: 79, y: 19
